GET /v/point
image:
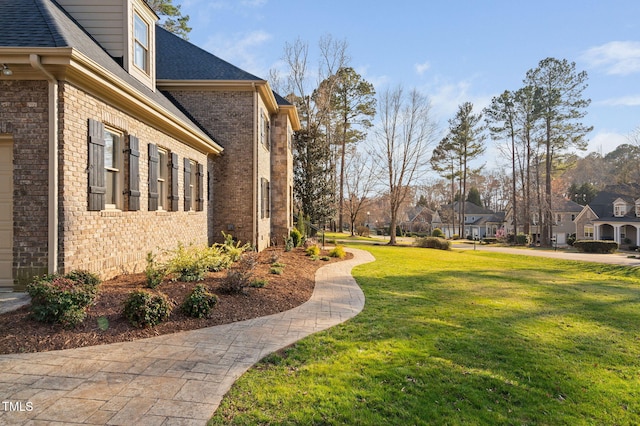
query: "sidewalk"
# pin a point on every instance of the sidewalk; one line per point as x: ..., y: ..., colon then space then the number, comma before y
x: 166, y: 380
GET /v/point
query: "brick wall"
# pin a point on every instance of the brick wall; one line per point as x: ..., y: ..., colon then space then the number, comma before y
x: 229, y: 117
x: 113, y: 242
x: 23, y: 114
x: 282, y: 177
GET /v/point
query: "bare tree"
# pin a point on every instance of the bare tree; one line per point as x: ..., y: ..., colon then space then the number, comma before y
x: 359, y: 184
x: 403, y: 136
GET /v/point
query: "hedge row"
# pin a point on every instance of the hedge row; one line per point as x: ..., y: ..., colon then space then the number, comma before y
x: 596, y: 246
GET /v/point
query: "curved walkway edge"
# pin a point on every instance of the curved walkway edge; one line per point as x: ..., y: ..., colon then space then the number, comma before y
x: 166, y: 380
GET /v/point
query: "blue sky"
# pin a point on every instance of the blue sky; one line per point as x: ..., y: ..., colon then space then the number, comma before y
x: 452, y: 51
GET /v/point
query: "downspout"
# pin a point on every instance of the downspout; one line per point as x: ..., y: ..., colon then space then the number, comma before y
x: 53, y: 219
x: 256, y: 142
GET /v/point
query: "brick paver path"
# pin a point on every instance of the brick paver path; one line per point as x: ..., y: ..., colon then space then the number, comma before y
x: 166, y: 380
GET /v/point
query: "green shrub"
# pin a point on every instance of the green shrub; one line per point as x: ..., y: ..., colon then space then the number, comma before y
x: 596, y: 246
x: 455, y: 237
x: 490, y: 240
x: 200, y: 302
x: 260, y: 283
x: 433, y: 242
x: 314, y: 250
x: 276, y: 270
x: 571, y: 239
x: 188, y: 263
x: 325, y: 258
x: 288, y: 243
x: 155, y: 273
x: 144, y: 308
x: 296, y: 236
x: 63, y: 299
x: 338, y: 251
x: 233, y: 249
x: 523, y: 239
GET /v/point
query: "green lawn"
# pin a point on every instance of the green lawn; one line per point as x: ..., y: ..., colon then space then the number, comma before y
x: 462, y: 338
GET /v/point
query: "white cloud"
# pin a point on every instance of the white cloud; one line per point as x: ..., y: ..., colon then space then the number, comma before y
x: 242, y: 50
x: 447, y: 97
x: 628, y: 101
x: 616, y: 57
x: 422, y: 68
x: 254, y: 3
x: 605, y: 142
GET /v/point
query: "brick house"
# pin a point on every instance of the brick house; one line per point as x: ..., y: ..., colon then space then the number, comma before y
x: 613, y: 214
x: 118, y: 138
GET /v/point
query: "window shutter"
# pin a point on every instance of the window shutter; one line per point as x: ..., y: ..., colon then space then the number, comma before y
x: 174, y: 182
x: 134, y: 173
x: 97, y: 186
x: 262, y: 201
x: 200, y: 177
x: 187, y: 185
x: 154, y: 159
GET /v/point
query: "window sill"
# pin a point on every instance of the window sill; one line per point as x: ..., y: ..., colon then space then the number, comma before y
x: 111, y: 213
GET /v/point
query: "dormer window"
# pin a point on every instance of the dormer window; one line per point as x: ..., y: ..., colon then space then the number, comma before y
x: 141, y: 43
x: 638, y: 208
x: 619, y: 208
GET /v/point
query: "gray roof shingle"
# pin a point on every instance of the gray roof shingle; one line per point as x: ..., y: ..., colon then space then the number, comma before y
x: 177, y: 59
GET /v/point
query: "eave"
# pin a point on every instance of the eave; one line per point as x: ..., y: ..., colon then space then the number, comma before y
x: 68, y: 64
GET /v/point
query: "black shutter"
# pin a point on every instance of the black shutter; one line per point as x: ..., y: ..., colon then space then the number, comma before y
x: 134, y: 173
x: 154, y: 159
x: 97, y: 187
x: 187, y: 185
x: 174, y: 182
x: 200, y: 177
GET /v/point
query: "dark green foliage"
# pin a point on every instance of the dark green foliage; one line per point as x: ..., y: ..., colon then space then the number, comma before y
x: 489, y: 240
x: 433, y: 242
x: 288, y: 243
x: 523, y: 239
x: 437, y: 232
x: 200, y: 302
x: 474, y: 196
x: 166, y: 9
x: 260, y: 283
x: 63, y: 299
x: 144, y: 308
x: 596, y: 246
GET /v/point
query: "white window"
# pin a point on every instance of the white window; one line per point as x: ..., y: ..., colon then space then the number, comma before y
x: 112, y: 169
x: 140, y: 43
x: 588, y: 231
x: 162, y: 179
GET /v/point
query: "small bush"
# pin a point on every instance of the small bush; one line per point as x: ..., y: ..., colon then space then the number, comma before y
x: 596, y: 246
x: 433, y: 242
x: 232, y: 248
x: 490, y: 240
x: 455, y: 237
x: 144, y: 308
x: 240, y: 276
x: 296, y: 236
x: 155, y: 273
x: 200, y: 302
x: 276, y: 270
x: 63, y: 299
x: 188, y: 263
x: 338, y: 251
x: 363, y: 231
x: 288, y: 243
x: 325, y: 258
x: 259, y: 283
x: 523, y: 239
x: 314, y: 250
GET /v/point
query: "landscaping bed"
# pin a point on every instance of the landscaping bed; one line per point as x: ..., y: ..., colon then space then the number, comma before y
x: 294, y: 286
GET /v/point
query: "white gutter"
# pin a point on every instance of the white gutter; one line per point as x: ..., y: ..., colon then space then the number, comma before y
x: 53, y: 219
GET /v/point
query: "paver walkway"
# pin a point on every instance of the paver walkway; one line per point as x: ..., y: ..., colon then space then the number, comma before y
x: 176, y: 379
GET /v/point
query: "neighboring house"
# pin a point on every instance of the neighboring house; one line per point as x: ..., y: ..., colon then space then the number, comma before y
x: 118, y: 138
x: 563, y: 211
x: 614, y: 214
x: 417, y: 219
x: 478, y: 221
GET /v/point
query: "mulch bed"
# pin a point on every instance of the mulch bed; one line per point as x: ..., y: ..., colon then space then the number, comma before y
x: 19, y: 333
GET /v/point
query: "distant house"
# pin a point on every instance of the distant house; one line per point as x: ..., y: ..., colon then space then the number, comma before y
x: 118, y: 138
x: 563, y: 211
x: 614, y: 214
x: 417, y: 219
x: 478, y: 221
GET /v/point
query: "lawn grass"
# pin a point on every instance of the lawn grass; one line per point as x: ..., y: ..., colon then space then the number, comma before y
x: 462, y: 337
